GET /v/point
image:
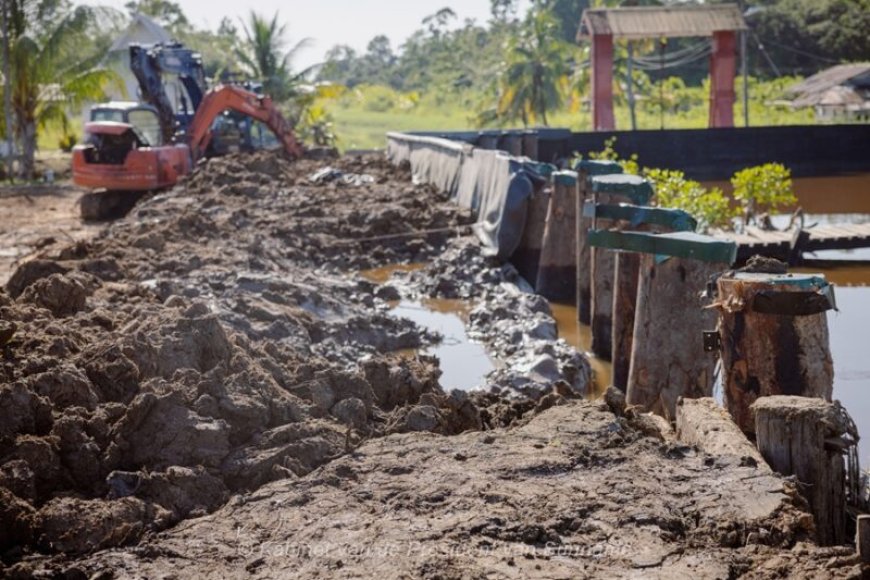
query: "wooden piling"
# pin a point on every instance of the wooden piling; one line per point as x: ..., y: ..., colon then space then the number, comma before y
x: 774, y: 339
x: 488, y: 139
x: 586, y: 169
x: 626, y: 271
x: 797, y: 436
x: 556, y: 277
x: 625, y: 279
x: 528, y: 255
x: 530, y: 144
x: 862, y: 538
x: 609, y: 190
x: 668, y: 359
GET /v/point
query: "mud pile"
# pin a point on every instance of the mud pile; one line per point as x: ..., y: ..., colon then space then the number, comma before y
x: 208, y: 344
x: 216, y: 356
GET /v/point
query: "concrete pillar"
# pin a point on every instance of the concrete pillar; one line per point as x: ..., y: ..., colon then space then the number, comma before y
x: 602, y: 83
x: 723, y: 68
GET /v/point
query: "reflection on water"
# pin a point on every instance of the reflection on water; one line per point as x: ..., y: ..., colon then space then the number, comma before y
x: 849, y: 330
x: 580, y: 337
x: 463, y: 362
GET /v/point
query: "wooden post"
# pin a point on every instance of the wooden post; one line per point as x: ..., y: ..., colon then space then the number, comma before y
x: 488, y: 140
x: 796, y: 436
x: 774, y: 334
x: 626, y: 271
x: 556, y: 270
x: 609, y: 189
x: 586, y: 169
x: 528, y: 255
x: 862, y: 538
x: 625, y: 277
x: 530, y: 144
x: 668, y: 359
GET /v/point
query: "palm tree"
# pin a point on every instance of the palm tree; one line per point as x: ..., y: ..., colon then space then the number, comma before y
x: 265, y: 56
x: 535, y: 72
x: 49, y: 76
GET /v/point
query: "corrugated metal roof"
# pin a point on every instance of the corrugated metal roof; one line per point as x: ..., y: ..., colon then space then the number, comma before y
x: 812, y: 90
x: 657, y: 21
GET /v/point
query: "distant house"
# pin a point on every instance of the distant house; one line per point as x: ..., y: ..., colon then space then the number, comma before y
x: 142, y: 30
x: 840, y: 93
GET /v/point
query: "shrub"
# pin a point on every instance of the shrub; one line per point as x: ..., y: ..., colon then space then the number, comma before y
x: 763, y: 189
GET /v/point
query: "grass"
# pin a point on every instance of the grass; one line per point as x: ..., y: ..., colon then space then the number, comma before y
x: 358, y: 128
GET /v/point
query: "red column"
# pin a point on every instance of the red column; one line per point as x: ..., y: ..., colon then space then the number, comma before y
x: 602, y: 82
x: 723, y: 67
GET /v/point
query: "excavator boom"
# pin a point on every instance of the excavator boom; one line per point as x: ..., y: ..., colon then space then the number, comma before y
x: 235, y: 98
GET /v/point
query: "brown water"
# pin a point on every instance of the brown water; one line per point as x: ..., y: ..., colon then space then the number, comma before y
x: 580, y: 337
x: 381, y: 275
x: 825, y: 195
x: 464, y: 363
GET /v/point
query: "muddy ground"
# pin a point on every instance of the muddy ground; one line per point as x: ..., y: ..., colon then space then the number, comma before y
x: 208, y: 387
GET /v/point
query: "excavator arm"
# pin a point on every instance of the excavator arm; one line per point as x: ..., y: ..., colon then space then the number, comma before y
x: 231, y: 97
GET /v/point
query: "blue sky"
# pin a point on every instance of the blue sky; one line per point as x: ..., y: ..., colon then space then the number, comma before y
x: 330, y: 22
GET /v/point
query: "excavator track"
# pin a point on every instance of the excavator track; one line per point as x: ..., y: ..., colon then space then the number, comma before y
x: 108, y: 205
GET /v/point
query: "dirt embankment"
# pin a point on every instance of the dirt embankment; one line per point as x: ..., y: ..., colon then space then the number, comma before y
x: 215, y: 358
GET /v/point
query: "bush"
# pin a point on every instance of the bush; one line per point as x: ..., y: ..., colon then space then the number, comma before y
x: 67, y: 142
x: 763, y: 189
x: 711, y: 208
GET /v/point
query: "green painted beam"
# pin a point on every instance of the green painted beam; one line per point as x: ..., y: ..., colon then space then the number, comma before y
x: 673, y: 219
x: 635, y: 188
x: 597, y: 167
x: 687, y: 245
x: 565, y: 177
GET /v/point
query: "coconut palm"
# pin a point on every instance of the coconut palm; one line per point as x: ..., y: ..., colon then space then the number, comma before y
x: 49, y: 75
x: 535, y: 72
x: 265, y: 56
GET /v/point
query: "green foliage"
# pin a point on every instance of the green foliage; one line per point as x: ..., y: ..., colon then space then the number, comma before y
x: 802, y: 37
x: 535, y: 71
x: 763, y: 189
x: 317, y: 127
x: 711, y: 207
x: 51, y: 73
x: 67, y: 142
x: 629, y: 165
x: 265, y: 56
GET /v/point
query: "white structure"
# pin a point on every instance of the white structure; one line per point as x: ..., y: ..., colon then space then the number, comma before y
x: 142, y: 30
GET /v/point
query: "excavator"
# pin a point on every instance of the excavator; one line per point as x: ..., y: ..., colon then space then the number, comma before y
x: 134, y: 148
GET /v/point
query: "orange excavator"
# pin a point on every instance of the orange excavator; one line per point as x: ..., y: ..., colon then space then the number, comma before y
x: 134, y: 148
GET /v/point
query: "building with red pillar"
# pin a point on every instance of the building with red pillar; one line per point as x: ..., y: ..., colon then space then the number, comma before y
x: 721, y: 22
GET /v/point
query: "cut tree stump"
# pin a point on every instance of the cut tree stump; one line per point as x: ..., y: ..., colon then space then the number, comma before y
x: 586, y: 169
x: 798, y: 436
x: 609, y: 190
x: 774, y: 339
x: 557, y: 276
